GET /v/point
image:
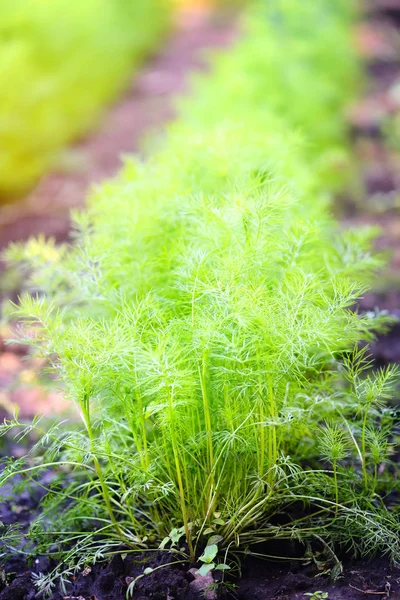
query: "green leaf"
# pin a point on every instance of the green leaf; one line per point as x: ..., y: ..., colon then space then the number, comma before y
x: 210, y: 552
x: 164, y: 543
x: 214, y: 539
x: 205, y: 569
x: 176, y: 535
x: 222, y: 567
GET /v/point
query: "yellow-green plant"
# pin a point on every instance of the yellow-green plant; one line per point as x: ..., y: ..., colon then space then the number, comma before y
x: 61, y: 61
x: 202, y: 323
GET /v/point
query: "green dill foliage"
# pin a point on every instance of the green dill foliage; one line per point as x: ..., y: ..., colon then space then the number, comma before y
x: 202, y: 324
x: 61, y: 62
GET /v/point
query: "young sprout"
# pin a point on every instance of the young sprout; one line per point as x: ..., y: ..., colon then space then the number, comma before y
x: 334, y: 447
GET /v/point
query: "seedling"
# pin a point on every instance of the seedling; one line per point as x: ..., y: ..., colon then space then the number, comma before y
x: 173, y: 538
x: 317, y: 595
x: 207, y: 558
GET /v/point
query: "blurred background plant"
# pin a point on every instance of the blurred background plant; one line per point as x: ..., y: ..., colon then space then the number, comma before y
x: 61, y: 62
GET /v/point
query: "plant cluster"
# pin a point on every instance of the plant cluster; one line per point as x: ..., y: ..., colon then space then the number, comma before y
x: 60, y: 63
x: 202, y: 325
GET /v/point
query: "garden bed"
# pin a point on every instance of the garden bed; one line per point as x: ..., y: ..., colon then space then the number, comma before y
x: 260, y: 579
x: 144, y: 109
x: 272, y: 580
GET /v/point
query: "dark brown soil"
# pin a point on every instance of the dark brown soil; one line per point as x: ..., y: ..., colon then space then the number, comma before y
x: 260, y: 581
x: 361, y: 580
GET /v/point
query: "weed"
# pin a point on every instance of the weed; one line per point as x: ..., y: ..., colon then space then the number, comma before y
x: 317, y: 595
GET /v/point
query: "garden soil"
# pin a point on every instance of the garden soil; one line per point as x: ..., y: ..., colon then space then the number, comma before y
x: 260, y: 580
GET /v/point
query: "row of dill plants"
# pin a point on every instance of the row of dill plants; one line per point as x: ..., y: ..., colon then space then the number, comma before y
x: 201, y: 323
x: 61, y: 63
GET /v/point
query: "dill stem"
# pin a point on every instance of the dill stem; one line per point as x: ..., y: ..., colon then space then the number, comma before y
x: 335, y: 482
x: 104, y: 490
x: 175, y: 451
x: 144, y: 461
x: 103, y: 485
x: 207, y: 420
x: 136, y: 440
x: 121, y: 482
x: 363, y: 448
x: 272, y: 448
x: 261, y: 427
x: 375, y: 479
x: 249, y: 516
x: 228, y: 401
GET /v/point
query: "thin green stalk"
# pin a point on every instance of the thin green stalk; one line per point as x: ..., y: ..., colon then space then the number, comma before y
x: 336, y: 486
x: 272, y: 445
x: 364, y: 446
x: 182, y: 498
x: 249, y: 517
x: 103, y: 485
x: 145, y: 458
x: 208, y: 427
x: 261, y: 429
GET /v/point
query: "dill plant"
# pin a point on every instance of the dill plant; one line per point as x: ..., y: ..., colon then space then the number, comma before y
x: 61, y: 62
x: 202, y: 324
